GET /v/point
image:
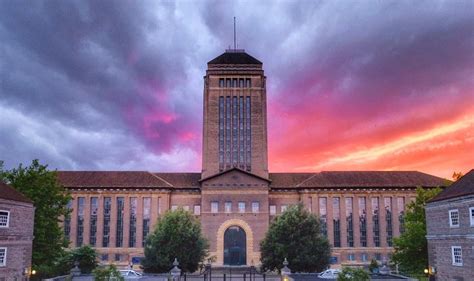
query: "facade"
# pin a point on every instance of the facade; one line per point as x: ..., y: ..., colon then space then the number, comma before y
x: 235, y: 197
x: 17, y: 216
x: 450, y: 231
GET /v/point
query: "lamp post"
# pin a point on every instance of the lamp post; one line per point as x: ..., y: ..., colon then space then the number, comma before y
x: 175, y: 271
x: 285, y: 271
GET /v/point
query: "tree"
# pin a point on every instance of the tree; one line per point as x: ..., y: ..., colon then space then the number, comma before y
x: 373, y: 265
x: 176, y: 235
x: 411, y: 248
x: 353, y: 274
x: 295, y: 235
x: 86, y: 257
x: 105, y: 273
x: 50, y: 200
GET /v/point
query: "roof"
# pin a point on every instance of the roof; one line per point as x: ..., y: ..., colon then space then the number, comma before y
x: 335, y: 179
x: 235, y: 169
x: 235, y: 57
x: 9, y: 193
x: 462, y: 187
x: 110, y: 179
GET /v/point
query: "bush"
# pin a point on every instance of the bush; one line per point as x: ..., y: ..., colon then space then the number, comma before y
x: 86, y: 256
x: 104, y: 273
x: 353, y: 274
x: 373, y: 265
x: 176, y: 235
x: 295, y: 235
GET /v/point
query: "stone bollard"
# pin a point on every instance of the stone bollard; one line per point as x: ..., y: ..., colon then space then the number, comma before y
x: 285, y: 271
x: 175, y: 271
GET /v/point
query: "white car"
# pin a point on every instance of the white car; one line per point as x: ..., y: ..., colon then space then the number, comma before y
x: 130, y: 274
x: 329, y: 274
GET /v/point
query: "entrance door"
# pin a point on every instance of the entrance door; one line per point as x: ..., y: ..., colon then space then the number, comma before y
x: 235, y: 246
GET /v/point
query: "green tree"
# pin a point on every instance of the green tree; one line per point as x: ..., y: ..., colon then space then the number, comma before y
x: 176, y: 235
x: 50, y: 199
x: 86, y: 256
x: 411, y: 248
x: 295, y: 235
x: 353, y: 274
x: 105, y: 273
x: 373, y: 265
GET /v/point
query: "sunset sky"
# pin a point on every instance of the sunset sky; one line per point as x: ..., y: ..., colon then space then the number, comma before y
x: 351, y: 85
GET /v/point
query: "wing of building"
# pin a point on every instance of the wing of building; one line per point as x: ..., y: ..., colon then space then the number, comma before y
x: 235, y: 193
x: 450, y: 231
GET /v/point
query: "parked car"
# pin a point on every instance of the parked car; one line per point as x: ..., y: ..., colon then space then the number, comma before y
x: 329, y: 274
x: 130, y: 274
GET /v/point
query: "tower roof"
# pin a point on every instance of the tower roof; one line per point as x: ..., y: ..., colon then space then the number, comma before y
x: 235, y: 57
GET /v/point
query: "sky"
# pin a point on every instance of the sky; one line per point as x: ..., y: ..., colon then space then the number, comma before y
x: 351, y: 85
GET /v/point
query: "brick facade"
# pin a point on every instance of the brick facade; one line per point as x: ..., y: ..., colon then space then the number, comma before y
x: 17, y: 238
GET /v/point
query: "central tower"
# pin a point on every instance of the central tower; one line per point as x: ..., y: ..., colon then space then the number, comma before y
x: 235, y: 115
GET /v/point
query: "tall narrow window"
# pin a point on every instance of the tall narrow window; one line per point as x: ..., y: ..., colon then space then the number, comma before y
x: 255, y: 207
x: 401, y: 213
x: 235, y: 83
x: 375, y: 221
x: 67, y: 222
x: 227, y: 131
x: 336, y: 212
x: 93, y: 221
x: 146, y: 218
x: 363, y: 221
x: 106, y: 228
x: 323, y: 215
x: 221, y: 83
x: 119, y: 230
x: 349, y: 222
x: 241, y: 207
x: 248, y: 138
x: 454, y: 218
x: 388, y: 219
x: 241, y: 133
x: 214, y: 207
x: 235, y: 132
x: 228, y: 207
x: 80, y: 221
x: 456, y: 252
x: 221, y: 133
x: 241, y: 83
x: 228, y: 83
x: 132, y: 233
x: 248, y: 83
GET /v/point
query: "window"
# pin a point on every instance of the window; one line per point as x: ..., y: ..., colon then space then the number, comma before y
x: 221, y: 83
x: 471, y: 215
x: 234, y: 83
x: 221, y: 133
x: 273, y: 210
x: 4, y: 218
x: 104, y: 257
x: 454, y: 218
x: 363, y: 257
x: 3, y: 256
x: 241, y: 207
x: 323, y: 215
x: 93, y: 221
x: 228, y: 83
x: 336, y: 221
x: 248, y: 83
x: 146, y: 218
x: 457, y: 255
x: 186, y: 208
x: 362, y: 222
x: 67, y: 222
x: 118, y: 257
x: 197, y: 210
x: 401, y: 210
x: 248, y: 134
x: 255, y: 207
x: 80, y: 221
x: 174, y: 207
x: 349, y: 222
x: 119, y: 230
x: 388, y: 219
x: 241, y: 83
x: 378, y: 256
x: 283, y: 208
x: 351, y: 257
x: 228, y: 207
x: 375, y: 220
x: 214, y: 207
x: 106, y: 229
x: 132, y: 233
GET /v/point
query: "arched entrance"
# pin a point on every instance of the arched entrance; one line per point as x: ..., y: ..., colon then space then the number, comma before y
x: 235, y: 246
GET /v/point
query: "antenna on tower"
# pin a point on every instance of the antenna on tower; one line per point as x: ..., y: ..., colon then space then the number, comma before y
x: 235, y: 36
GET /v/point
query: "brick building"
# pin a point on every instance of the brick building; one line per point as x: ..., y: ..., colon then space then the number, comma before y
x: 235, y: 196
x: 450, y: 231
x: 17, y: 216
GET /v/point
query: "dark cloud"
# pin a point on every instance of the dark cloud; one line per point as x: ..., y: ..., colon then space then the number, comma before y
x: 118, y: 84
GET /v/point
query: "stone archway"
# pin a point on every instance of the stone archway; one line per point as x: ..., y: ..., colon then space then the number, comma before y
x: 249, y: 239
